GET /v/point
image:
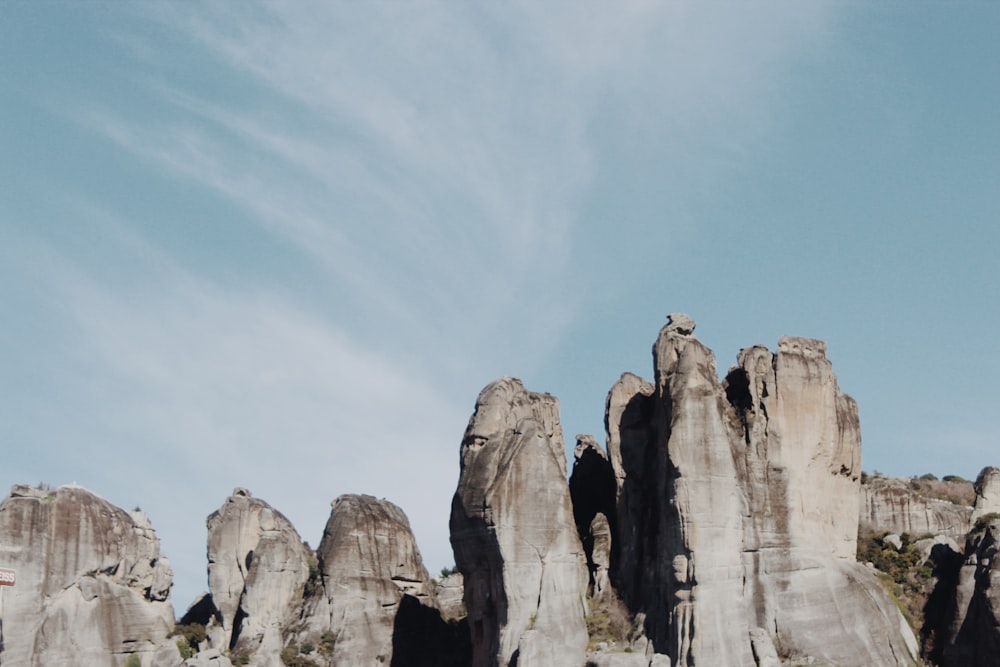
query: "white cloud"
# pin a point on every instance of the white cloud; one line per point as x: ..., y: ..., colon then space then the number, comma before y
x: 429, y: 161
x: 208, y: 389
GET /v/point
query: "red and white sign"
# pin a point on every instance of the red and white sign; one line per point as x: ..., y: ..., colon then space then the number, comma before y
x: 7, y: 577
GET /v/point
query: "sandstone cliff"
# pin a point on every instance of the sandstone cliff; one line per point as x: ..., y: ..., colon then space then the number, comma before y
x: 889, y: 505
x: 513, y: 533
x: 92, y: 587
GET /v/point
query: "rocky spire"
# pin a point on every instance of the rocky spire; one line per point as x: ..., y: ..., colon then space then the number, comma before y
x: 514, y: 536
x: 257, y: 571
x: 734, y: 497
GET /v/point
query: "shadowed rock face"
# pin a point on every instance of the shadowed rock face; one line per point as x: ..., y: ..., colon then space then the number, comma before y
x: 737, y: 529
x: 967, y: 596
x: 513, y: 533
x: 593, y: 490
x: 91, y: 585
x: 632, y: 454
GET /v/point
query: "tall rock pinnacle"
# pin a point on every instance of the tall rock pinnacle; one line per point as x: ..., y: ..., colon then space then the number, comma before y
x: 514, y: 536
x: 738, y: 509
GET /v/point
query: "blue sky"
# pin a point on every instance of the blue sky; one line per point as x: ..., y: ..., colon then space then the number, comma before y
x: 283, y: 246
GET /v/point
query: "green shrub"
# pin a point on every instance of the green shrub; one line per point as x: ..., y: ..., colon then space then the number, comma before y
x: 906, y: 581
x: 292, y: 657
x: 929, y: 477
x: 447, y: 571
x: 185, y: 649
x: 327, y: 642
x: 133, y: 661
x: 192, y: 635
x: 953, y: 478
x: 608, y: 621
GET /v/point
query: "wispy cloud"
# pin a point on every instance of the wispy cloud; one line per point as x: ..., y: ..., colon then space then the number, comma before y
x: 198, y: 389
x: 429, y: 165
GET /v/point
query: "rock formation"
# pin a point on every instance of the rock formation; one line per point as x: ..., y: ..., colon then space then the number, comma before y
x: 972, y: 637
x: 513, y: 533
x: 629, y: 424
x: 987, y: 493
x: 719, y: 527
x: 91, y: 589
x: 963, y: 612
x: 888, y: 505
x: 450, y: 591
x: 363, y: 598
x: 593, y: 491
x: 737, y: 536
x: 376, y: 597
x: 257, y: 572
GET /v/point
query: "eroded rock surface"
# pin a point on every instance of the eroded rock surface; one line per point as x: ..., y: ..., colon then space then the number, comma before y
x: 376, y: 593
x: 593, y: 490
x: 513, y: 533
x: 889, y: 505
x: 257, y: 571
x: 987, y: 493
x: 966, y: 599
x: 738, y: 509
x: 92, y: 587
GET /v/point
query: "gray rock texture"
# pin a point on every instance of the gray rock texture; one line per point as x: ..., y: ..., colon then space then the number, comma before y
x: 375, y: 588
x: 593, y: 490
x: 967, y: 596
x: 889, y: 505
x: 450, y: 594
x: 738, y: 510
x: 92, y: 587
x: 257, y: 571
x: 973, y: 635
x: 514, y: 535
x: 621, y: 660
x: 987, y: 493
x: 632, y: 453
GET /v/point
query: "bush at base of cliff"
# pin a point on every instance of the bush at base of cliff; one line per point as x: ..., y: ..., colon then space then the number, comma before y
x: 192, y: 634
x: 906, y: 580
x: 293, y: 656
x: 608, y: 621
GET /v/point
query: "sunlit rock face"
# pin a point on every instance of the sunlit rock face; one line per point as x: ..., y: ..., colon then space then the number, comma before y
x: 364, y: 596
x: 888, y: 505
x: 987, y: 488
x: 514, y: 536
x: 376, y: 604
x: 738, y: 509
x: 91, y: 586
x: 257, y: 571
